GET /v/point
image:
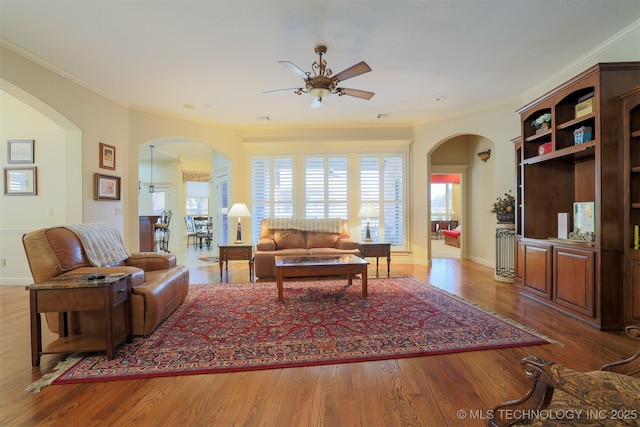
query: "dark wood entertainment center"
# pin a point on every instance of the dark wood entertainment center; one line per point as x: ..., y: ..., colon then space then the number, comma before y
x: 553, y: 171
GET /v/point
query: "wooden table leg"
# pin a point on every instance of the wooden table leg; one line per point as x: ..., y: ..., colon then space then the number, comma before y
x: 364, y: 282
x: 36, y: 329
x: 108, y: 322
x: 388, y: 266
x: 279, y: 279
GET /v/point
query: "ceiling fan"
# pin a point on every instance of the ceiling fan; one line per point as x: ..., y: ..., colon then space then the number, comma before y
x: 323, y: 83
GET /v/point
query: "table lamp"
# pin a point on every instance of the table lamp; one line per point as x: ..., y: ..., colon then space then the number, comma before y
x: 368, y: 210
x: 240, y: 211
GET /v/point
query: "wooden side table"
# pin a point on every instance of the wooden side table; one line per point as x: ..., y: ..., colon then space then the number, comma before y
x: 236, y: 253
x: 377, y: 250
x: 68, y: 293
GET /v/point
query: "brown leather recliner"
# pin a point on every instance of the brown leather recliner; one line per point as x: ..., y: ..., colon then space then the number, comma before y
x: 158, y: 285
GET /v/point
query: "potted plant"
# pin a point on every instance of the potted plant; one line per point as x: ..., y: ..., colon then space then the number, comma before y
x: 542, y: 122
x: 505, y: 208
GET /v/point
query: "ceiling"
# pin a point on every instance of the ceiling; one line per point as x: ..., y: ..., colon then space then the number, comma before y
x: 212, y: 60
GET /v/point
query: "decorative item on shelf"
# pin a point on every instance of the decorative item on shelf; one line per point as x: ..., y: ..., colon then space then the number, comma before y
x: 542, y: 123
x: 240, y: 211
x: 577, y: 235
x: 584, y: 222
x: 582, y: 135
x: 485, y: 155
x: 504, y: 208
x: 636, y: 237
x: 584, y: 105
x: 368, y: 210
x: 544, y: 148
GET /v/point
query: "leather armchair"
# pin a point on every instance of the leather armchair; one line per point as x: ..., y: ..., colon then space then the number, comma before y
x: 158, y: 284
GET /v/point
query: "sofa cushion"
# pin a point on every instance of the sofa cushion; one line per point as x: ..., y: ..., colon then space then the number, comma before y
x: 600, y: 388
x: 321, y: 240
x: 333, y: 251
x: 67, y: 248
x: 288, y: 239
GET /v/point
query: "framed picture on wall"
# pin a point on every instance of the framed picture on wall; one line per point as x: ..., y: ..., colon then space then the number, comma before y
x: 107, y: 187
x: 107, y: 156
x: 20, y: 151
x: 20, y: 181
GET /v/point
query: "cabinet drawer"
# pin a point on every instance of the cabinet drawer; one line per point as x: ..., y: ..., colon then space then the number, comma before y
x: 375, y: 250
x: 119, y: 291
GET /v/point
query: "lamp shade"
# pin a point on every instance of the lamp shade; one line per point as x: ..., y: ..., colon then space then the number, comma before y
x: 368, y: 210
x: 239, y: 210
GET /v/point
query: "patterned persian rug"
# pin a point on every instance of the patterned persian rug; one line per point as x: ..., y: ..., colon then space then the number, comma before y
x: 242, y: 326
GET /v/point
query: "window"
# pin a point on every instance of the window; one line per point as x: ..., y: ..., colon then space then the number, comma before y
x: 382, y: 184
x: 324, y: 190
x: 445, y: 196
x: 158, y: 201
x: 197, y: 198
x: 272, y: 190
x: 326, y: 187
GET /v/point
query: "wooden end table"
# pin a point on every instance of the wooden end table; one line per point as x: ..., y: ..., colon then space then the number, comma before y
x: 377, y: 250
x: 68, y: 293
x: 236, y: 253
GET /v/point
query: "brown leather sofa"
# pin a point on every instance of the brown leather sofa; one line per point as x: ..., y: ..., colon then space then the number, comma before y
x: 297, y: 240
x: 158, y: 285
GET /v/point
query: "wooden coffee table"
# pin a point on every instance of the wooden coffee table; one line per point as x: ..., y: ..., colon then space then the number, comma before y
x: 320, y: 266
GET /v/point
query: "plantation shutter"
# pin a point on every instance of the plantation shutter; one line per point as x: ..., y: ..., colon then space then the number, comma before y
x: 393, y: 178
x: 326, y: 187
x: 271, y: 190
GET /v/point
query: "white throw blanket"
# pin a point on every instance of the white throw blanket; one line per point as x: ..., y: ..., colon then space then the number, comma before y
x: 101, y: 243
x: 321, y: 225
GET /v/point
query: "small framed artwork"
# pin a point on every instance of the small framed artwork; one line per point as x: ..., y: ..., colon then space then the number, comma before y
x: 584, y: 218
x: 107, y: 187
x: 20, y: 151
x: 107, y: 156
x: 20, y: 181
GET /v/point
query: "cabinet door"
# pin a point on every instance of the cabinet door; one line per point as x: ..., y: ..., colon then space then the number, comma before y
x: 573, y: 280
x: 537, y: 269
x: 632, y: 294
x: 519, y: 262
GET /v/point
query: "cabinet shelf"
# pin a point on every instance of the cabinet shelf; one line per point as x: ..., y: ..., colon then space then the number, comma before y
x: 635, y: 133
x: 574, y: 152
x: 575, y: 122
x: 635, y: 169
x: 538, y: 136
x: 635, y: 205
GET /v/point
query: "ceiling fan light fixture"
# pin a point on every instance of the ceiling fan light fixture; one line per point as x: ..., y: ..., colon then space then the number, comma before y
x: 319, y: 92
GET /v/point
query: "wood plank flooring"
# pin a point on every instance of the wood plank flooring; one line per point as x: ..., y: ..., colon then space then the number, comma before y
x: 442, y: 390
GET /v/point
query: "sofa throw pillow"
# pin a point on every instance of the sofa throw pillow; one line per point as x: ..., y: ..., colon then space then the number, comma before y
x: 321, y: 240
x: 288, y: 239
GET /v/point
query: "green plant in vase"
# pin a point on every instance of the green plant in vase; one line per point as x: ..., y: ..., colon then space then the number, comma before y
x: 505, y: 208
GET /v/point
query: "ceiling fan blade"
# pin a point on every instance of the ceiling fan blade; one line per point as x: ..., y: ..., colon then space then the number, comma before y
x: 293, y: 67
x: 356, y: 92
x: 316, y: 103
x: 356, y: 70
x: 294, y: 89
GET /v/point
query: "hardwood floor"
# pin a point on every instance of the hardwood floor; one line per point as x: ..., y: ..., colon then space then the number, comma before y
x: 421, y: 391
